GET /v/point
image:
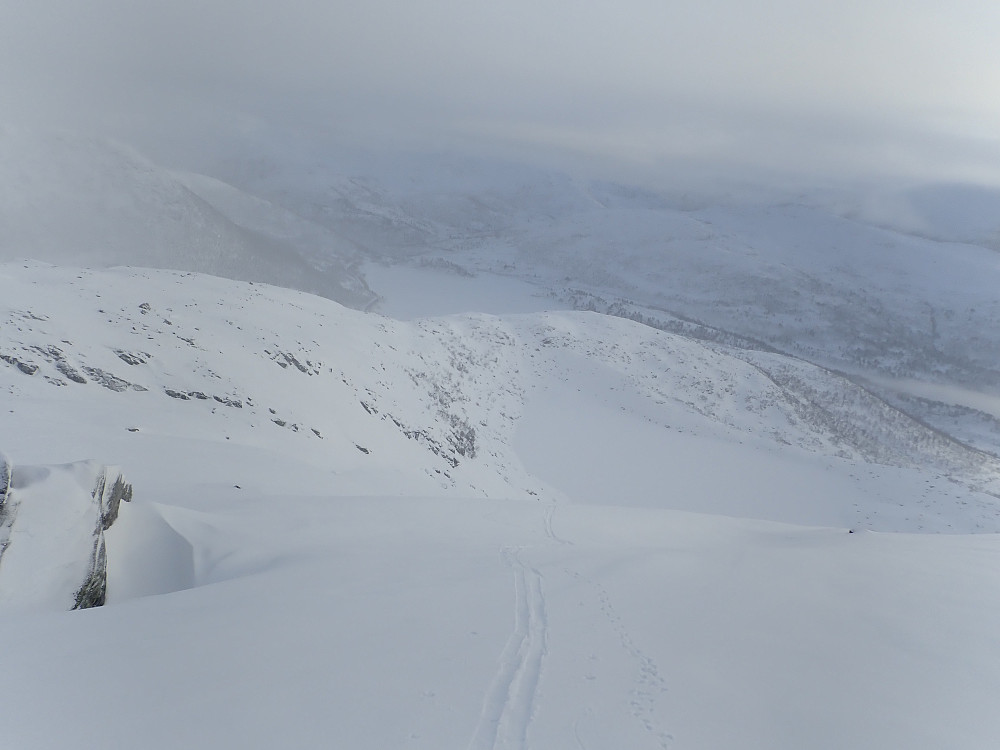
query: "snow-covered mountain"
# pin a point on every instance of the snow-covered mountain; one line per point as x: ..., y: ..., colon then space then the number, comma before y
x: 896, y: 288
x: 949, y: 212
x: 626, y: 469
x: 901, y: 292
x: 475, y: 531
x: 461, y: 404
x: 900, y: 285
x: 68, y: 198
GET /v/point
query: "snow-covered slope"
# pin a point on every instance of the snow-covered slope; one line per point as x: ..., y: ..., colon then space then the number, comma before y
x: 470, y: 531
x: 905, y: 291
x: 427, y: 623
x: 67, y: 198
x: 798, y: 277
x: 333, y: 260
x: 950, y: 212
x: 439, y: 405
x: 132, y: 361
x: 394, y: 205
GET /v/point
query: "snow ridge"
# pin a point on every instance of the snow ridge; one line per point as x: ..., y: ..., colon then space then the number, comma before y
x: 450, y: 404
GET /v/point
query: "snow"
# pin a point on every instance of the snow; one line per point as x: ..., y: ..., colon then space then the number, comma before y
x: 150, y: 556
x: 400, y: 622
x: 823, y: 274
x: 490, y: 521
x: 42, y: 572
x: 80, y: 200
x: 432, y: 290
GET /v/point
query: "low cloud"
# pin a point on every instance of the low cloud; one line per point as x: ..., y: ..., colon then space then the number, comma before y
x: 839, y: 91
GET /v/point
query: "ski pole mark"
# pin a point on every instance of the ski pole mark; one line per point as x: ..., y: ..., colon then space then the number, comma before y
x: 510, y: 701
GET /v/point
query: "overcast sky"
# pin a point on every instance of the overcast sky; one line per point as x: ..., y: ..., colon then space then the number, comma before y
x: 846, y: 88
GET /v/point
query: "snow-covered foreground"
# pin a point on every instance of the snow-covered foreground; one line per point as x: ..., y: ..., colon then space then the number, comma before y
x: 374, y: 623
x: 475, y: 532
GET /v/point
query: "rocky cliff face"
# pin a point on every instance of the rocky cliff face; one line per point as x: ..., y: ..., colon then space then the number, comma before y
x: 4, y: 480
x: 52, y: 524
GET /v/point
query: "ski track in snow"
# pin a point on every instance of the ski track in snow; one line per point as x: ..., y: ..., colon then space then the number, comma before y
x: 550, y: 510
x: 510, y: 701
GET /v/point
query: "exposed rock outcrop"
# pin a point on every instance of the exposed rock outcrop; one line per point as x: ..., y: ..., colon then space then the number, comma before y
x: 4, y: 480
x: 52, y: 523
